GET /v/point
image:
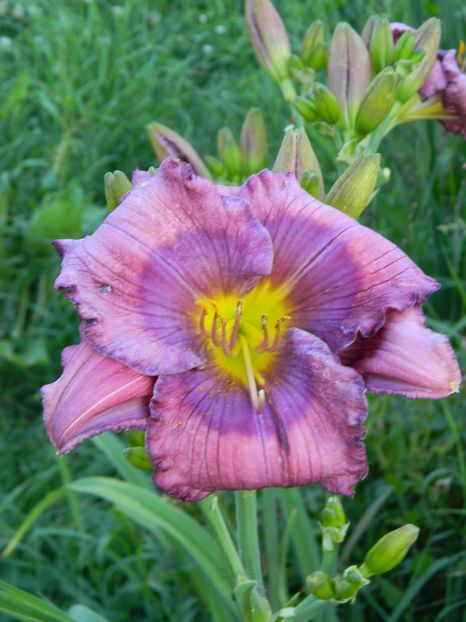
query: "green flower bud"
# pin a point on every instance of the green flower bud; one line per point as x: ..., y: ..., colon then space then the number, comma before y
x: 349, y: 70
x: 404, y: 46
x: 389, y: 551
x: 353, y: 190
x: 136, y: 438
x: 254, y: 141
x: 215, y: 166
x: 320, y: 585
x: 368, y: 30
x: 269, y: 38
x: 137, y: 456
x: 310, y: 181
x: 167, y: 142
x: 313, y: 51
x: 377, y: 102
x: 427, y: 40
x: 296, y: 155
x: 229, y: 152
x: 355, y: 577
x: 116, y: 185
x: 306, y: 108
x: 343, y: 589
x: 326, y: 104
x: 333, y: 514
x: 381, y: 45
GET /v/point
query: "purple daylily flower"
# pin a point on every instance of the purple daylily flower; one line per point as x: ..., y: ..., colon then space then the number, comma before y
x: 255, y: 317
x: 447, y: 81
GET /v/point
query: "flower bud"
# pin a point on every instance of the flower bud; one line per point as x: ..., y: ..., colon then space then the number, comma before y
x: 215, y: 166
x: 310, y: 181
x: 229, y: 152
x: 355, y: 577
x: 313, y: 52
x: 381, y: 45
x: 349, y: 70
x: 377, y: 102
x: 353, y: 190
x: 320, y: 585
x: 116, y: 185
x: 296, y: 155
x: 368, y: 30
x: 138, y: 457
x: 306, y: 108
x: 326, y: 104
x: 333, y: 514
x: 389, y: 551
x: 427, y: 40
x: 167, y: 142
x: 343, y: 589
x: 254, y: 141
x: 270, y: 40
x: 136, y: 438
x: 404, y: 46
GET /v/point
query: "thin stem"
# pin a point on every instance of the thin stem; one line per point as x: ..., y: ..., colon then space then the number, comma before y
x: 272, y: 548
x: 248, y: 537
x: 310, y: 607
x: 214, y: 516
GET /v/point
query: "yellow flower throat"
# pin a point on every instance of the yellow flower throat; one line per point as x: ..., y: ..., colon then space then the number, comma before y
x: 244, y: 334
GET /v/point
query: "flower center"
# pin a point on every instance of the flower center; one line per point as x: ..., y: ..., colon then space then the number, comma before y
x: 243, y: 335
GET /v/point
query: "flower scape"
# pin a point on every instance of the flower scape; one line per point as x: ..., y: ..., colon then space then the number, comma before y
x: 241, y: 327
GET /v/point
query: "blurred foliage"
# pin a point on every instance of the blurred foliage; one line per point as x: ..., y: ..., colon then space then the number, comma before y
x: 80, y: 81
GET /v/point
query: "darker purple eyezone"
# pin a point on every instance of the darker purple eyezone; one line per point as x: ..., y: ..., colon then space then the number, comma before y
x: 353, y: 323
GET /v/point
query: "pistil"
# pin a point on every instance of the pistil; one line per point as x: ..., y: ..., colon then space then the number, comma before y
x: 257, y: 396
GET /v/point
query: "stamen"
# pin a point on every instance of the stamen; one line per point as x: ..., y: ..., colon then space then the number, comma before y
x: 202, y: 323
x: 234, y: 332
x: 225, y: 346
x: 265, y: 341
x: 276, y: 339
x: 257, y: 401
x: 213, y: 331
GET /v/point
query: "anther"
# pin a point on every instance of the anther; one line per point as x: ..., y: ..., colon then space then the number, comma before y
x: 234, y: 332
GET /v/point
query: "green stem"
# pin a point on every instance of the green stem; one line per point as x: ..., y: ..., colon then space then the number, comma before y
x: 310, y: 608
x: 272, y: 547
x: 214, y: 516
x: 248, y: 537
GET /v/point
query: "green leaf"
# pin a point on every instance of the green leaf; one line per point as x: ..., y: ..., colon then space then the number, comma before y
x: 81, y: 613
x: 21, y: 605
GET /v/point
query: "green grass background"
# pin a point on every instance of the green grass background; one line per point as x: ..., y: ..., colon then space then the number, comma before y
x: 79, y: 82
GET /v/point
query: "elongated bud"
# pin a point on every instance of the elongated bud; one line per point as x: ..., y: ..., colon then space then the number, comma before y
x: 270, y: 40
x: 389, y: 551
x: 427, y: 40
x: 116, y: 185
x: 138, y: 457
x: 353, y: 190
x: 136, y: 438
x: 254, y: 141
x: 349, y: 70
x: 381, y: 45
x: 320, y: 585
x: 377, y: 102
x: 313, y: 52
x: 306, y: 108
x: 229, y: 151
x: 368, y: 30
x: 333, y: 514
x: 296, y: 155
x: 310, y: 181
x: 404, y: 46
x: 167, y: 142
x: 216, y: 167
x: 326, y: 104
